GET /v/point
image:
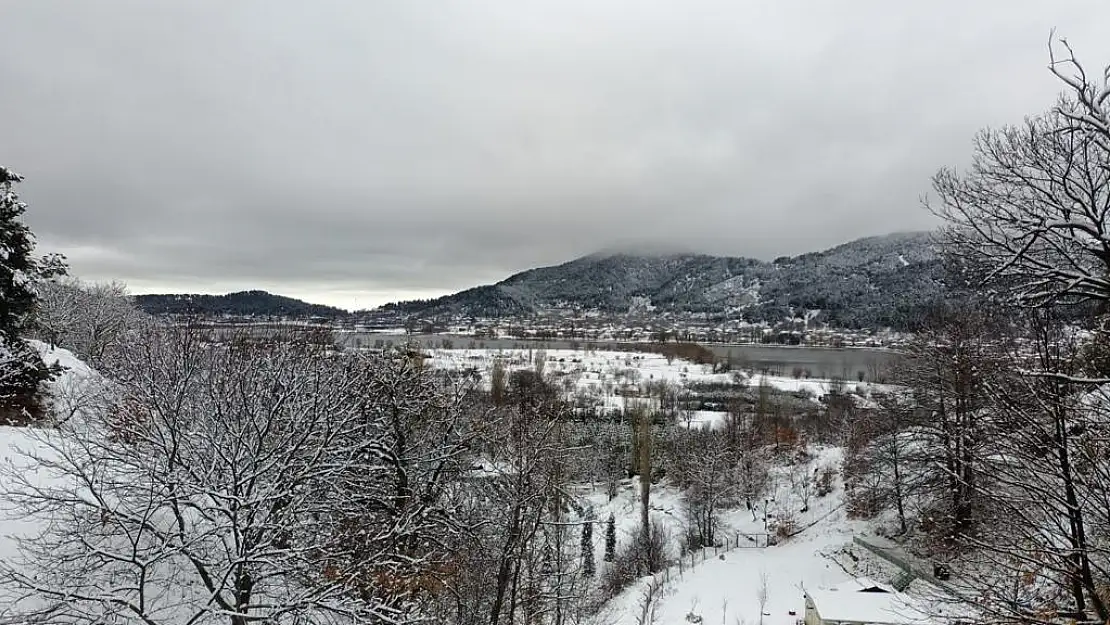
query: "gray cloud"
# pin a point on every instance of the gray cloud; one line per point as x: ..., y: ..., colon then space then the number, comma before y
x: 355, y: 153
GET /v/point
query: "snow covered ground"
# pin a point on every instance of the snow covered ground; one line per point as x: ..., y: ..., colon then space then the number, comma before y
x: 725, y: 588
x: 608, y: 375
x: 68, y: 395
x: 77, y: 389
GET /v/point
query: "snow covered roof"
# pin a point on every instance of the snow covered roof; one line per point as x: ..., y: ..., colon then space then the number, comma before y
x: 863, y: 600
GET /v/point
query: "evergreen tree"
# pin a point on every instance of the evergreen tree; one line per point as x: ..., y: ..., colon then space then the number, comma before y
x: 589, y: 567
x: 18, y: 268
x: 21, y: 368
x: 611, y: 538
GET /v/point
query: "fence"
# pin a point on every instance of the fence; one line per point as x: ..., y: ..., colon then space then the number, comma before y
x: 737, y: 540
x: 656, y: 585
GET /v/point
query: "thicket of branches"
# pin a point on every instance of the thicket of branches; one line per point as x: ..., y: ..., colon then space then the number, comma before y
x: 996, y: 456
x: 87, y: 318
x: 238, y: 481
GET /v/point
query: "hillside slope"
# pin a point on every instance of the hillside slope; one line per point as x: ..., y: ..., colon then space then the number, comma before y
x: 876, y: 281
x: 243, y: 303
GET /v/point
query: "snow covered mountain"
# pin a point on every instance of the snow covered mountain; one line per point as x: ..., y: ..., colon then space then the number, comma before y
x: 875, y: 281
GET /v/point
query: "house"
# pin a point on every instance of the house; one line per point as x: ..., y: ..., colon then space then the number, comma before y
x: 863, y: 601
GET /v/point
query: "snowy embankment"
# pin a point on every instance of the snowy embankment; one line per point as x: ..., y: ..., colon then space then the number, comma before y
x: 68, y: 396
x: 77, y: 388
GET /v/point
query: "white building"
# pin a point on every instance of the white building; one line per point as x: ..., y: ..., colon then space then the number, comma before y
x: 863, y: 601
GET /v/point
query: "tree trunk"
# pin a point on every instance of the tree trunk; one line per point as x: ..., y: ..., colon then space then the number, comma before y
x: 505, y: 568
x: 645, y: 475
x: 1083, y: 584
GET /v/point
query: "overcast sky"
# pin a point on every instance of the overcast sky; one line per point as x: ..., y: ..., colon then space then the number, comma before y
x: 353, y: 153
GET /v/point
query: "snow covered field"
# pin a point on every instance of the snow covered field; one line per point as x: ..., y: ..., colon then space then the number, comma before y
x: 605, y: 373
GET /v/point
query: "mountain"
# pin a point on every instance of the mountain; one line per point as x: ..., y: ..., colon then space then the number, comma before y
x: 875, y: 281
x: 243, y: 304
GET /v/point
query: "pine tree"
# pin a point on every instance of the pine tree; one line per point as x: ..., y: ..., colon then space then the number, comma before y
x: 16, y: 264
x: 611, y: 538
x: 589, y: 567
x: 21, y: 368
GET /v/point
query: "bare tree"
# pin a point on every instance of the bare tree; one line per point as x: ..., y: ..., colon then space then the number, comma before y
x: 641, y: 418
x: 880, y: 463
x: 414, y: 439
x: 648, y: 601
x: 802, y: 484
x: 761, y: 594
x: 1051, y: 485
x: 747, y: 444
x: 947, y: 365
x: 1029, y: 219
x: 527, y: 534
x: 705, y: 468
x: 215, y: 489
x: 88, y: 318
x: 1030, y: 215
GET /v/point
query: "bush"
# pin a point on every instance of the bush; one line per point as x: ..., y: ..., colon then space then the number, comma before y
x: 692, y: 539
x: 826, y: 479
x: 861, y: 501
x: 686, y: 351
x: 635, y: 560
x: 784, y: 526
x: 22, y: 370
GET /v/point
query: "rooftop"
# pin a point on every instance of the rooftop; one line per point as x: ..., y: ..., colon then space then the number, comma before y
x: 863, y: 600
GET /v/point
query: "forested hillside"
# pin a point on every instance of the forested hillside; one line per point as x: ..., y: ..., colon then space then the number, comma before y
x: 876, y: 281
x: 243, y: 303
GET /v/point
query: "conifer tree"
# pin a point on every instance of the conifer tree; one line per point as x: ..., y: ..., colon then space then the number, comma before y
x: 611, y: 538
x: 21, y: 368
x: 589, y: 567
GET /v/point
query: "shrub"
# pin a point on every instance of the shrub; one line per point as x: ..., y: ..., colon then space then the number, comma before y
x: 826, y: 479
x: 21, y: 372
x: 635, y: 560
x: 784, y: 526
